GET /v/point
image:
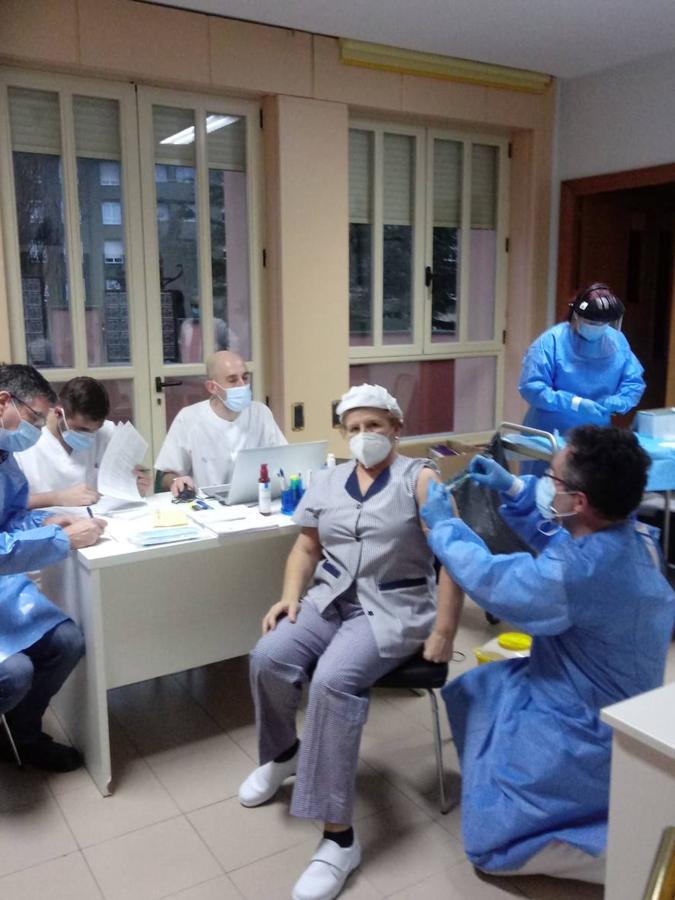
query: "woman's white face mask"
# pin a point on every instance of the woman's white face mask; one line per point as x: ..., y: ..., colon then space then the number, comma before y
x: 370, y: 447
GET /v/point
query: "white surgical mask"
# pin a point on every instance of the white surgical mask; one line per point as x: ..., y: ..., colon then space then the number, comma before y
x: 25, y: 436
x: 544, y: 497
x: 370, y: 448
x: 237, y: 399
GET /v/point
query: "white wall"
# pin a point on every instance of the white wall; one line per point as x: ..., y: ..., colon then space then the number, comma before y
x: 620, y: 118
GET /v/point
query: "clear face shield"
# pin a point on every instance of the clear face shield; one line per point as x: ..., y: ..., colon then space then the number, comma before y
x: 591, y: 329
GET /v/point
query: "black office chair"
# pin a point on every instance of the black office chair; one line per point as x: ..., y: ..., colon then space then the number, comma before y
x: 417, y: 674
x: 11, y: 741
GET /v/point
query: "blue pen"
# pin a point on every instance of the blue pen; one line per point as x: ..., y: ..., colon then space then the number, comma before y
x: 91, y: 515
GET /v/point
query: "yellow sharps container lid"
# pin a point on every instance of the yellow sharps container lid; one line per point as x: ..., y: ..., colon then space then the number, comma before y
x: 514, y: 640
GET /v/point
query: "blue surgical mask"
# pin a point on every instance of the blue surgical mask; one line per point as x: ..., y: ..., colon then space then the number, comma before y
x: 237, y: 399
x: 25, y: 437
x: 78, y: 441
x: 592, y: 332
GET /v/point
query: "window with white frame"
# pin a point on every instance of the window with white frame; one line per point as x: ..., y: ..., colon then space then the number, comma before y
x: 130, y: 273
x: 427, y: 268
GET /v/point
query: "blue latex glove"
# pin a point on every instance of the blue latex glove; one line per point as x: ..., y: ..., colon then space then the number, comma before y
x: 614, y: 405
x: 486, y: 471
x: 593, y: 412
x: 437, y: 507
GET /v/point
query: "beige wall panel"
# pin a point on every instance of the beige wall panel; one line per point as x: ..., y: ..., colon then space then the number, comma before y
x: 5, y: 348
x: 140, y: 40
x: 436, y: 97
x: 259, y: 58
x: 313, y: 228
x: 272, y: 318
x: 41, y: 30
x: 515, y: 109
x: 352, y: 84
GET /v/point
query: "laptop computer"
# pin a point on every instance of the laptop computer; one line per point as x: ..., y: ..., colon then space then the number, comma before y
x: 294, y: 459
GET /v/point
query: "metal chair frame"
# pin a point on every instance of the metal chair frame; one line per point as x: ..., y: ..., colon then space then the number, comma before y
x: 11, y: 741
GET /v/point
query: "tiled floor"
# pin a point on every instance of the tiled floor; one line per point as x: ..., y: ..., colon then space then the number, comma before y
x: 174, y: 828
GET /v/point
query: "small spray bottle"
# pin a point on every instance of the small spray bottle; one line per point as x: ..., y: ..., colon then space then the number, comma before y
x: 264, y: 491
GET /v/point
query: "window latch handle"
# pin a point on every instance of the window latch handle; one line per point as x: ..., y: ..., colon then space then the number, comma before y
x: 160, y: 385
x: 428, y: 276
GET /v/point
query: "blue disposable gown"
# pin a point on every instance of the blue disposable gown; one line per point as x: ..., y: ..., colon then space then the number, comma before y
x: 25, y: 544
x: 561, y: 365
x: 535, y: 756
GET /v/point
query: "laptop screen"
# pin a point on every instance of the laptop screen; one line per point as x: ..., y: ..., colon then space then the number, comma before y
x: 292, y: 459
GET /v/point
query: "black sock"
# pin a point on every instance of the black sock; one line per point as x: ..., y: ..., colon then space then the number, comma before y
x: 342, y: 838
x: 288, y: 754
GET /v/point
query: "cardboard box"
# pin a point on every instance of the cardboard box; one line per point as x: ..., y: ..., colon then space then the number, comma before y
x: 460, y: 455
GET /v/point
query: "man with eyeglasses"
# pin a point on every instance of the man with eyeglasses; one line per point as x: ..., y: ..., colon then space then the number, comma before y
x: 534, y: 754
x: 39, y: 644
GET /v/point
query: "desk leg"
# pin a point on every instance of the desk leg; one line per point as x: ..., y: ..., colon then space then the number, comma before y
x: 82, y: 703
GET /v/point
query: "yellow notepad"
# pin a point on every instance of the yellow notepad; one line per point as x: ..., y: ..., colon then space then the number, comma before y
x: 168, y: 518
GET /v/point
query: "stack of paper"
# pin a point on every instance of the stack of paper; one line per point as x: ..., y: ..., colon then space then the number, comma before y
x: 227, y: 520
x: 116, y: 476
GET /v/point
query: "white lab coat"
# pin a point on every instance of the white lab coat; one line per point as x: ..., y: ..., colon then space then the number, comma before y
x: 202, y: 444
x: 50, y: 467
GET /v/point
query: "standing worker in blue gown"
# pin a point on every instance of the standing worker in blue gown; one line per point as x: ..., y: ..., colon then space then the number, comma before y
x: 582, y: 371
x: 534, y: 754
x: 39, y: 644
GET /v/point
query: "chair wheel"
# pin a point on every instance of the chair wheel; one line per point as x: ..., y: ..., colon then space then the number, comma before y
x: 493, y: 620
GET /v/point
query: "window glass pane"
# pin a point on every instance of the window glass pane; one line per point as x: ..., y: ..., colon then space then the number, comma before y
x: 99, y: 179
x: 438, y: 396
x: 38, y: 181
x: 174, y: 131
x: 447, y: 194
x: 228, y: 209
x: 483, y: 255
x: 397, y: 256
x: 360, y: 237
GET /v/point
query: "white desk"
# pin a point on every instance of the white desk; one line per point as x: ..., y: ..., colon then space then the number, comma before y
x: 642, y: 787
x: 147, y: 612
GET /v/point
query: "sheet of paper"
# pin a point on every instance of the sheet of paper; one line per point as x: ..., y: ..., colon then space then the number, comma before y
x: 168, y: 517
x: 116, y: 472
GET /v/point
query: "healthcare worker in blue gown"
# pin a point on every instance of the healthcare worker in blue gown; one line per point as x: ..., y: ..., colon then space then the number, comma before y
x: 534, y: 754
x: 39, y: 644
x: 582, y: 371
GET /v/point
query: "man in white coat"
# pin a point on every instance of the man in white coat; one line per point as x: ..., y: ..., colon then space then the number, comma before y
x: 204, y: 438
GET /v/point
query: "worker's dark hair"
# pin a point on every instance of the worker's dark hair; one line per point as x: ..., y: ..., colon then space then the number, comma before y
x: 609, y: 466
x: 85, y: 396
x: 26, y: 383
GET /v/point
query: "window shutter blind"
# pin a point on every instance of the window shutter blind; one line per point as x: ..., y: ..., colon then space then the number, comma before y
x: 168, y: 121
x: 447, y: 184
x: 399, y: 158
x: 226, y: 146
x: 97, y: 132
x: 360, y: 176
x: 484, y: 186
x: 34, y: 120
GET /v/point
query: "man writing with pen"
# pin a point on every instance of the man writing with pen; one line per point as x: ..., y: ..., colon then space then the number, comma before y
x: 39, y: 644
x: 62, y: 467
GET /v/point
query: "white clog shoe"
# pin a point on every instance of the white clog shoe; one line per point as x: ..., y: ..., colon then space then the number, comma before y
x: 325, y: 876
x: 263, y: 782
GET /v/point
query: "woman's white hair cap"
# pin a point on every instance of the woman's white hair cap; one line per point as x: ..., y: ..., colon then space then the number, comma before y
x: 368, y: 395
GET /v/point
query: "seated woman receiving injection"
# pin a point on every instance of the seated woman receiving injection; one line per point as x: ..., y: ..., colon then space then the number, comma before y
x: 359, y: 597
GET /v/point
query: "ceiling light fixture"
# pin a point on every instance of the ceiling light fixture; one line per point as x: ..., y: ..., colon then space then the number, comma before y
x: 187, y: 135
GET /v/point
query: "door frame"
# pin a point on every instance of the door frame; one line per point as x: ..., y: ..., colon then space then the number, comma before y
x: 572, y: 192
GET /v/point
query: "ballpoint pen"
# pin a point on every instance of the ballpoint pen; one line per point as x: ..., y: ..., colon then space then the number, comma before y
x: 90, y: 513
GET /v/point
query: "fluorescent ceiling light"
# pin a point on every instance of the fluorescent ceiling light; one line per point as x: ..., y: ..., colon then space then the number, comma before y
x: 187, y: 135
